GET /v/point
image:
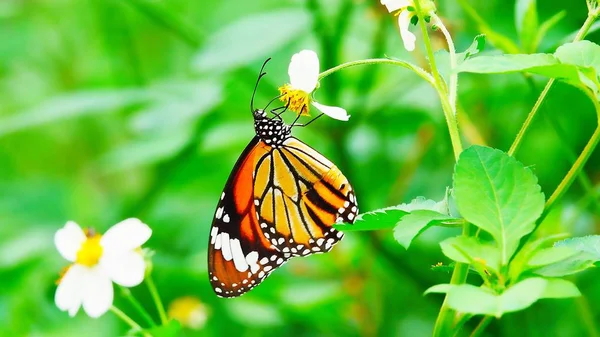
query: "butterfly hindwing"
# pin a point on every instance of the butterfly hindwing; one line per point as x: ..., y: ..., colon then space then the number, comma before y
x: 239, y: 256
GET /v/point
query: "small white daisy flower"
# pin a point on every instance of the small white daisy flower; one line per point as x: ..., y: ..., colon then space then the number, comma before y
x: 97, y: 261
x: 304, y: 78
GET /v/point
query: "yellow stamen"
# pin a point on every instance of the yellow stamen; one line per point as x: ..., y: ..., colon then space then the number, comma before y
x: 90, y: 252
x: 297, y: 99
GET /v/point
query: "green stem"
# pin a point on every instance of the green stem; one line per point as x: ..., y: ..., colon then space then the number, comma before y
x: 137, y: 306
x: 447, y: 106
x: 518, y: 140
x: 581, y: 160
x: 585, y: 312
x: 453, y: 87
x: 128, y: 320
x: 485, y: 321
x: 419, y: 71
x: 517, y: 143
x: 445, y: 319
x: 156, y: 298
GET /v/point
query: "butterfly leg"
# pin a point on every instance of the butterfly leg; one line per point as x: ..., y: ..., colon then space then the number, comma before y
x: 310, y: 121
x: 277, y: 113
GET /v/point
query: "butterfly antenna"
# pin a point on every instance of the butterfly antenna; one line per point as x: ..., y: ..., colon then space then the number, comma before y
x: 260, y: 75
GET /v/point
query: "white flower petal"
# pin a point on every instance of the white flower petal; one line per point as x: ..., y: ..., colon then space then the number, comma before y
x: 98, y: 293
x: 408, y: 38
x: 394, y: 5
x: 304, y: 71
x: 126, y: 269
x: 69, y: 293
x: 125, y: 236
x: 68, y: 240
x: 332, y: 111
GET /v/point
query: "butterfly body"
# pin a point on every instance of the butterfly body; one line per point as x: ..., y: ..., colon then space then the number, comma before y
x: 280, y: 201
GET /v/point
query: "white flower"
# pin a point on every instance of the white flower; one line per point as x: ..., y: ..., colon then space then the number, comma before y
x: 189, y: 311
x: 404, y: 17
x: 97, y: 261
x: 304, y: 78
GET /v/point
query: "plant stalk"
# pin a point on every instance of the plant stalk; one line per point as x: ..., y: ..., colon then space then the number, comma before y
x: 592, y: 16
x: 156, y: 298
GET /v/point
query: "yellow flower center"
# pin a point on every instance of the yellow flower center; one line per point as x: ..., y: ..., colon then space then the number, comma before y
x: 90, y: 252
x: 298, y: 99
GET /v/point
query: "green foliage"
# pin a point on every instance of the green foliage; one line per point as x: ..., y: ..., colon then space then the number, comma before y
x: 389, y: 217
x: 171, y: 329
x: 589, y: 245
x: 114, y: 109
x: 473, y: 251
x: 576, y: 63
x: 526, y: 19
x: 498, y: 194
x: 275, y: 29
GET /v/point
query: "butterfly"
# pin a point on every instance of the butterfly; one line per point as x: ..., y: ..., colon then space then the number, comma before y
x: 280, y: 201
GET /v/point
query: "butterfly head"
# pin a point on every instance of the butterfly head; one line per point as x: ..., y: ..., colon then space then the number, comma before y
x: 272, y: 131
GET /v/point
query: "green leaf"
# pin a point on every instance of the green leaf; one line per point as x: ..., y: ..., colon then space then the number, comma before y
x: 439, y: 289
x: 474, y: 300
x: 559, y: 288
x: 387, y: 218
x: 469, y: 249
x: 519, y: 261
x: 576, y: 63
x: 275, y: 29
x: 569, y: 266
x: 523, y: 294
x: 590, y: 245
x: 544, y: 64
x: 526, y: 19
x: 413, y: 224
x: 498, y: 194
x: 475, y: 48
x: 582, y: 53
x: 588, y: 248
x: 546, y: 256
x: 442, y: 57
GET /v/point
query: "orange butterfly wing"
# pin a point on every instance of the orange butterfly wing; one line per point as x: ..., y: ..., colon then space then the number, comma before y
x: 300, y: 194
x: 239, y: 256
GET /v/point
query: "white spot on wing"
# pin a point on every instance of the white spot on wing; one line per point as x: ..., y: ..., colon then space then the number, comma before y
x: 218, y: 241
x: 238, y: 256
x: 225, y: 247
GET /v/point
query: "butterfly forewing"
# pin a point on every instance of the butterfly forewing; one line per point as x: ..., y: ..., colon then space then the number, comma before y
x: 300, y: 199
x: 239, y: 256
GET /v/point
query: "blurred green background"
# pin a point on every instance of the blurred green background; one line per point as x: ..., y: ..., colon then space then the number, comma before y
x: 136, y: 108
